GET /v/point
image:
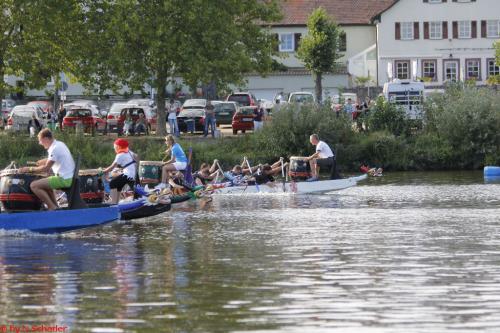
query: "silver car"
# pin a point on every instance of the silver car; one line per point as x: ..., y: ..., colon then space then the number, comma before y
x: 7, y: 106
x: 21, y: 115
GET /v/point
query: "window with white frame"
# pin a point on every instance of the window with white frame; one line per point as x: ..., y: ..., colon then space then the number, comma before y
x: 493, y: 68
x: 406, y: 30
x: 450, y: 70
x: 402, y: 70
x: 435, y: 1
x: 464, y: 29
x: 436, y: 30
x: 493, y: 28
x: 473, y: 69
x: 429, y: 69
x: 286, y: 42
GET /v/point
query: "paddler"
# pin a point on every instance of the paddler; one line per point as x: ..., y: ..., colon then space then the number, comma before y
x: 127, y: 161
x: 62, y: 164
x: 177, y: 162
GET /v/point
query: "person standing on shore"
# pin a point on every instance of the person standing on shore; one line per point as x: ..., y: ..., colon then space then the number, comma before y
x: 172, y: 119
x: 258, y: 115
x: 209, y: 119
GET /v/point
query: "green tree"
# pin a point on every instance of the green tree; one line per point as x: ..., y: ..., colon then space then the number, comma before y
x: 497, y: 52
x: 319, y: 48
x: 34, y: 39
x: 153, y: 41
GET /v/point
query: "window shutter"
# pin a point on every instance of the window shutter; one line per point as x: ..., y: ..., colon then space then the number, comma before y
x: 426, y: 0
x: 473, y: 29
x: 398, y: 31
x: 483, y: 29
x: 297, y: 37
x: 445, y: 30
x: 455, y: 29
x: 416, y: 30
x: 276, y: 38
x: 426, y: 30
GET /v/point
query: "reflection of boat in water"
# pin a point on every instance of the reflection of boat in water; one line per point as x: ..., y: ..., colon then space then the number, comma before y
x: 59, y: 220
x: 288, y: 187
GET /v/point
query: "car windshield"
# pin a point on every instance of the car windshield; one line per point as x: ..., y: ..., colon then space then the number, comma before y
x: 190, y: 113
x: 225, y: 107
x: 301, y: 98
x: 194, y: 103
x: 79, y: 113
x: 242, y: 99
x: 132, y: 112
x: 246, y: 111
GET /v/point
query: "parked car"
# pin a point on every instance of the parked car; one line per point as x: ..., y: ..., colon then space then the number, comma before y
x: 114, y: 115
x: 199, y: 103
x: 338, y: 101
x: 134, y: 111
x: 46, y: 106
x: 7, y: 106
x: 197, y: 114
x: 301, y: 97
x: 142, y: 102
x: 21, y: 115
x: 243, y: 119
x: 224, y: 112
x: 85, y: 115
x: 242, y: 98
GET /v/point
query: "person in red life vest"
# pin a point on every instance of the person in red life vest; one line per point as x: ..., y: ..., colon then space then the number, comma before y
x: 127, y: 161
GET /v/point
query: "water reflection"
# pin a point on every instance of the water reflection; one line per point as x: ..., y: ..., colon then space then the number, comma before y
x: 408, y: 252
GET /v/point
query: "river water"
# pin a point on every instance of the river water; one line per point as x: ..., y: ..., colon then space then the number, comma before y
x: 407, y: 252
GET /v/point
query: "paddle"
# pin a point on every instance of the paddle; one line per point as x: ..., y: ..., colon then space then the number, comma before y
x: 283, y: 174
x: 248, y: 164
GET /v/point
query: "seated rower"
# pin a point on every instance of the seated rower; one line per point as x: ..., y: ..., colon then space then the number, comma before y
x: 236, y: 176
x: 127, y: 161
x: 322, y: 158
x: 206, y: 173
x: 267, y: 172
x: 178, y: 161
x: 62, y: 164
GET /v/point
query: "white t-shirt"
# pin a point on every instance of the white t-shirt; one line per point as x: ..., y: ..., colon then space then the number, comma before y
x: 172, y: 112
x: 324, y: 150
x: 122, y: 159
x: 64, y: 165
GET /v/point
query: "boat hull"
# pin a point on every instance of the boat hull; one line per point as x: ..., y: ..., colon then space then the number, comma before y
x: 294, y: 187
x: 145, y: 211
x: 58, y: 221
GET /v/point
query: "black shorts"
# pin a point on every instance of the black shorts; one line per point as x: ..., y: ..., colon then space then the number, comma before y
x: 325, y: 162
x: 120, y: 181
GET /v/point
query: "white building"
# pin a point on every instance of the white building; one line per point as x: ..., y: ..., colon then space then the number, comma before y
x: 440, y: 40
x: 359, y: 46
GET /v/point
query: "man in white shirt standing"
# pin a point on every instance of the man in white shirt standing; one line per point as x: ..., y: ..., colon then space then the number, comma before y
x: 322, y: 158
x: 62, y: 164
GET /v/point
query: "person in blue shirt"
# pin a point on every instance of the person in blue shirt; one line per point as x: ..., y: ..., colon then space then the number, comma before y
x: 177, y: 162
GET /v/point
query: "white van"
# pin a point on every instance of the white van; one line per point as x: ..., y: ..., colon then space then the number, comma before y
x: 408, y: 95
x: 21, y: 115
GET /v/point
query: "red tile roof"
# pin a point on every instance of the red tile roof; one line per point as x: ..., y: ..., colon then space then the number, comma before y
x: 345, y: 12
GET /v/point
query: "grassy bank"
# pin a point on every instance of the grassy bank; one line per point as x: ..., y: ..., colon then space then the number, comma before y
x: 459, y: 131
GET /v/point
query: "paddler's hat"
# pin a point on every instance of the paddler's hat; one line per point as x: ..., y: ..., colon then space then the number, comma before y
x: 122, y: 143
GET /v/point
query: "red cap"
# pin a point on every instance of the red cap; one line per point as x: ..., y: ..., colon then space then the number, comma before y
x: 122, y: 143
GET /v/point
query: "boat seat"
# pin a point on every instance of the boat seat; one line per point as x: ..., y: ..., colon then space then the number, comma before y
x: 73, y: 192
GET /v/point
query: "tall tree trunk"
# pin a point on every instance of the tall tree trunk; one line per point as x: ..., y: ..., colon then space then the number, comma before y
x: 2, y: 81
x: 318, y: 77
x: 161, y: 126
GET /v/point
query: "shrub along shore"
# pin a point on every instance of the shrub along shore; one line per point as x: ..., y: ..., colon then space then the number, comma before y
x: 460, y: 130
